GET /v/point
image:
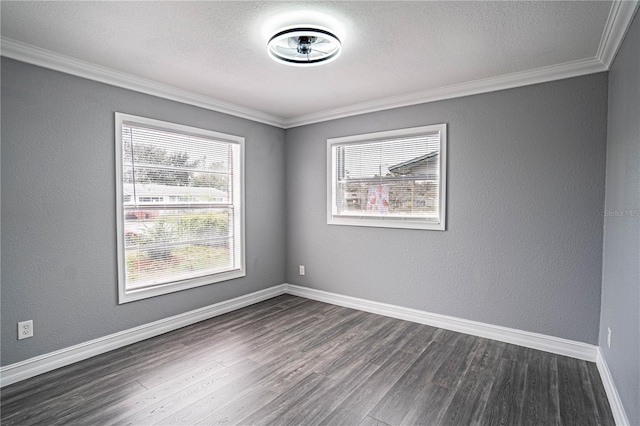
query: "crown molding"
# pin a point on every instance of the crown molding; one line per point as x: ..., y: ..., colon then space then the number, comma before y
x: 507, y: 81
x: 618, y: 22
x: 45, y: 58
x: 620, y: 16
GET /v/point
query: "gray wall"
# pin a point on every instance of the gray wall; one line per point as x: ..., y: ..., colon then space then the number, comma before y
x: 621, y: 254
x: 523, y: 247
x: 58, y: 209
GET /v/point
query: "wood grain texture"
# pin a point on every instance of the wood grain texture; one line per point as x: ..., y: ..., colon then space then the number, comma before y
x: 290, y: 360
x: 540, y: 399
x: 469, y: 400
x: 505, y: 401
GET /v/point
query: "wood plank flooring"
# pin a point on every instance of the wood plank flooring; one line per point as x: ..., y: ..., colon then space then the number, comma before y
x: 295, y: 361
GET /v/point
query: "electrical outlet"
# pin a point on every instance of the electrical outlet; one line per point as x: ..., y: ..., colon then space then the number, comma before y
x: 301, y: 269
x: 25, y: 329
x: 609, y: 337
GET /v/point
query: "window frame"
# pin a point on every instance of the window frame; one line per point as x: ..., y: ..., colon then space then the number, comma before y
x: 124, y: 295
x: 387, y: 221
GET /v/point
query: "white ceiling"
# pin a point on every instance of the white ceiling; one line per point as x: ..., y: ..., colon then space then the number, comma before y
x: 393, y: 52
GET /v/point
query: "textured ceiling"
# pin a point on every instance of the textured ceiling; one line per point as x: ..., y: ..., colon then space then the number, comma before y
x: 218, y: 49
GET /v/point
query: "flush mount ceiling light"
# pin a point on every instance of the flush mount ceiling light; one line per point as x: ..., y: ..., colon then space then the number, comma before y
x: 304, y: 46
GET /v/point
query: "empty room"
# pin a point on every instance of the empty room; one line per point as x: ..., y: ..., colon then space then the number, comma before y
x: 320, y: 213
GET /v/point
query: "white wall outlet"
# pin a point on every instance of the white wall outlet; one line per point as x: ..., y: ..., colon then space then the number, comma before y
x: 609, y: 337
x: 301, y: 269
x: 25, y: 329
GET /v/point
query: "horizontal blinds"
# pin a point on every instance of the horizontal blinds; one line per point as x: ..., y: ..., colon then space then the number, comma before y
x: 160, y: 157
x: 386, y: 158
x: 180, y: 205
x: 392, y: 177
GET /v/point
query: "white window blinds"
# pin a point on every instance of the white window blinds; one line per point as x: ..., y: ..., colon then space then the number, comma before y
x: 180, y: 206
x: 397, y: 176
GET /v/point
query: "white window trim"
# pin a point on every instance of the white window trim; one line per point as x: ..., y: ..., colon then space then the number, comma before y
x: 124, y: 295
x: 388, y: 222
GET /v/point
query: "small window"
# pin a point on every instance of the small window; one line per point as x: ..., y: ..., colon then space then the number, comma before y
x: 180, y: 201
x: 393, y: 179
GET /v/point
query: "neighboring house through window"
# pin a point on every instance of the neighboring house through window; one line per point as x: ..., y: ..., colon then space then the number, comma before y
x: 393, y: 179
x: 180, y: 200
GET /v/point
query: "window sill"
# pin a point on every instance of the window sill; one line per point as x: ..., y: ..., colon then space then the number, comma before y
x: 126, y: 296
x: 409, y: 223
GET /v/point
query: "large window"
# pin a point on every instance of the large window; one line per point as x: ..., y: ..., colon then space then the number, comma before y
x: 392, y: 179
x: 180, y: 201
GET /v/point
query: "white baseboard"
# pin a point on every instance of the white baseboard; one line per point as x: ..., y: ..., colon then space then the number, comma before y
x: 528, y: 339
x: 50, y: 361
x: 41, y: 364
x: 619, y: 415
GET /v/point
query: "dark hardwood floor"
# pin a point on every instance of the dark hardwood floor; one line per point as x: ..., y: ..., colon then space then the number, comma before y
x: 294, y: 361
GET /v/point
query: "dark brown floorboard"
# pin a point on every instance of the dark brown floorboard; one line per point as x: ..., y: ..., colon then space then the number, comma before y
x: 293, y: 361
